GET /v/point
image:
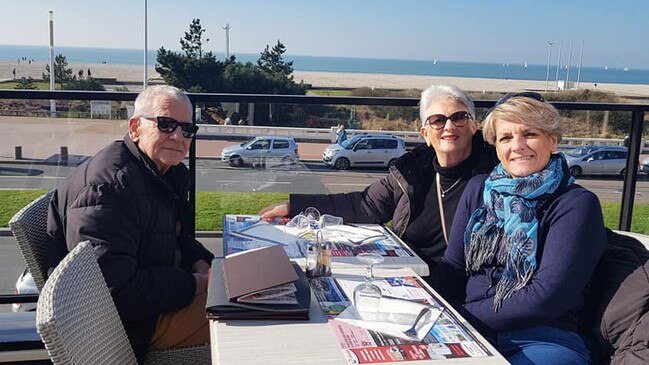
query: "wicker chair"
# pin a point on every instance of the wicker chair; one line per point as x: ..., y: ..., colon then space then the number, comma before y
x: 29, y: 227
x: 79, y: 324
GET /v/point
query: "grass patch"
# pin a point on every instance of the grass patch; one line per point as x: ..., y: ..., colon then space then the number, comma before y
x: 331, y: 92
x: 11, y: 201
x: 39, y: 85
x: 211, y: 206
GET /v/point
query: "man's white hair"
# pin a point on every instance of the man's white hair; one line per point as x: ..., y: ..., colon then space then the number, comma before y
x: 144, y: 103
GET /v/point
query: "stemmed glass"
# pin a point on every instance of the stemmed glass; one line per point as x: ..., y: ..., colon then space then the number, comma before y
x: 367, y: 295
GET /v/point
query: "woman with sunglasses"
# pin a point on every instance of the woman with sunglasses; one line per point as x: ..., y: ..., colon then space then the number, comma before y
x: 525, y: 240
x: 422, y: 189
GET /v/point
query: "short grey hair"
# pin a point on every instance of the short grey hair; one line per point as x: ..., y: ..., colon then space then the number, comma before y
x: 144, y: 103
x: 526, y: 111
x: 434, y: 93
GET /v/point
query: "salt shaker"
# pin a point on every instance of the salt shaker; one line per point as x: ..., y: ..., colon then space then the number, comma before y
x: 324, y: 256
x: 312, y: 256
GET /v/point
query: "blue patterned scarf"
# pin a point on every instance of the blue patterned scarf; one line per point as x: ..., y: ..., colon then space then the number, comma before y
x: 505, y: 227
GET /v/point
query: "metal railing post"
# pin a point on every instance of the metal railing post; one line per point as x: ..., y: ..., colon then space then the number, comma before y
x: 192, y: 173
x: 631, y: 175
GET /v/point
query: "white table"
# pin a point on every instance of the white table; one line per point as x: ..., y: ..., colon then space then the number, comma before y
x: 306, y: 342
x: 410, y: 260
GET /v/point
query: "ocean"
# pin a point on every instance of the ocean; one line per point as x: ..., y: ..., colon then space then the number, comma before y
x: 515, y: 71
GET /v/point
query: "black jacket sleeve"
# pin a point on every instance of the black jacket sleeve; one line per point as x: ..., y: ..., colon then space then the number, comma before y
x: 108, y: 216
x: 375, y: 204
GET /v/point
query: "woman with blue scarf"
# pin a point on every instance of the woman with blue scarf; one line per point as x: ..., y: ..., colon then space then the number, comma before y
x: 525, y: 240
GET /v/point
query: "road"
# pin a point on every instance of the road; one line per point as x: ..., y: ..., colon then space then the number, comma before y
x: 302, y: 177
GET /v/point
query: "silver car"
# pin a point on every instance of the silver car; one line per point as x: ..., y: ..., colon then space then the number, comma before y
x: 364, y: 150
x: 262, y: 150
x: 600, y: 160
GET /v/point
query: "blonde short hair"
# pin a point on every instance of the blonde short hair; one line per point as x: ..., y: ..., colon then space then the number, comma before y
x: 527, y: 111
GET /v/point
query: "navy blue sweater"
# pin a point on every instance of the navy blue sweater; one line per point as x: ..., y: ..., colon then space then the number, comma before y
x: 571, y: 240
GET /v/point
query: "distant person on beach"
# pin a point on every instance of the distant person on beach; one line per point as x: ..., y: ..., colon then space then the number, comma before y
x: 131, y: 202
x: 89, y: 73
x: 341, y: 133
x: 80, y: 73
x: 14, y: 72
x: 424, y: 186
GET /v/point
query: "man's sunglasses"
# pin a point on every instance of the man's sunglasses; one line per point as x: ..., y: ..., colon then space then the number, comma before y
x: 169, y: 125
x: 525, y: 94
x: 438, y: 121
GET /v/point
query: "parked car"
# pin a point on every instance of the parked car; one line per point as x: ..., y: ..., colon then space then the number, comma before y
x: 25, y: 285
x: 364, y: 150
x: 601, y: 160
x: 644, y: 166
x: 262, y: 150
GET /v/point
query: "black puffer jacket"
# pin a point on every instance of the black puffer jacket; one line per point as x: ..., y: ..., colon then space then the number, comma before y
x: 395, y: 196
x: 616, y: 318
x: 128, y: 211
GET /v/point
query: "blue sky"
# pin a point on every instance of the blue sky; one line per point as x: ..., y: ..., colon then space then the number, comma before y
x: 615, y: 32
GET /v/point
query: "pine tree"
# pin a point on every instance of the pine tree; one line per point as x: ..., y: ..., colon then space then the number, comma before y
x: 62, y: 74
x: 271, y: 60
x: 193, y: 42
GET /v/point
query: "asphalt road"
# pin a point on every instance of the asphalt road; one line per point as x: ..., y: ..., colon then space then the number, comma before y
x: 302, y: 177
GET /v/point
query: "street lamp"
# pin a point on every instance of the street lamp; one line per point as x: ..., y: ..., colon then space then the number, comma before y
x: 144, y: 83
x: 547, y: 76
x: 52, y: 71
x: 556, y: 88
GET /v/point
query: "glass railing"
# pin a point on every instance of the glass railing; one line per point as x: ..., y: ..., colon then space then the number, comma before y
x: 41, y: 145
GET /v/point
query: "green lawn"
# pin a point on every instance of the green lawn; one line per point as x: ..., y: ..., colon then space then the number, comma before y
x: 39, y: 85
x: 330, y: 92
x: 211, y: 206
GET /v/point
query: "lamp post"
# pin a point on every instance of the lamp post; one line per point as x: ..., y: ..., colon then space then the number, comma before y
x: 569, y: 64
x: 581, y: 55
x: 547, y: 76
x: 52, y: 73
x: 144, y: 83
x: 556, y: 88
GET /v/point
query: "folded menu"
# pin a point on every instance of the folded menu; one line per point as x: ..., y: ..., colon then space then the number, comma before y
x: 258, y: 284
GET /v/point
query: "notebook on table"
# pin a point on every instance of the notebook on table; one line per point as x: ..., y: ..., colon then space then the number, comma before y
x: 257, y: 284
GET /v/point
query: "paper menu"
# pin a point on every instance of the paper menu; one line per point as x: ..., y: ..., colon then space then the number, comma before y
x: 254, y: 270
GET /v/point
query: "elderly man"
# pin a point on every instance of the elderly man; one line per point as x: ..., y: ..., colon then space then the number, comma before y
x: 422, y: 190
x: 130, y: 201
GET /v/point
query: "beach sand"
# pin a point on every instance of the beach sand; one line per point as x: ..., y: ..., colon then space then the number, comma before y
x: 132, y: 74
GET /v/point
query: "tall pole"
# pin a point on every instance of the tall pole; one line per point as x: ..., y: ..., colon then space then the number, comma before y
x: 569, y: 64
x: 547, y: 76
x: 556, y: 87
x: 146, y: 48
x: 581, y: 56
x: 52, y: 73
x: 227, y: 41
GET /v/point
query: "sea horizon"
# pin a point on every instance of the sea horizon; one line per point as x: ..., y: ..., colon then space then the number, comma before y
x: 504, y: 70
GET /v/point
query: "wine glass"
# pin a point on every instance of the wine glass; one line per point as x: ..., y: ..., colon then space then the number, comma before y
x: 367, y: 295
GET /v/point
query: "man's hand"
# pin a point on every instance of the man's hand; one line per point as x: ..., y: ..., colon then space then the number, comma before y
x: 201, y: 267
x: 201, y: 282
x: 277, y: 210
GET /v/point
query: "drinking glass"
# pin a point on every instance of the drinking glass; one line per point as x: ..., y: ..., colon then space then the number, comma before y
x: 367, y: 296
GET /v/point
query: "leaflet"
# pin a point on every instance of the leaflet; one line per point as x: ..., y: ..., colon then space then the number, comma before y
x: 447, y: 338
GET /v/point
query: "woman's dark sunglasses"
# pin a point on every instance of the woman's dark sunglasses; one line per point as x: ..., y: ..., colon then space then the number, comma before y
x: 438, y: 121
x: 524, y: 94
x: 169, y: 125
